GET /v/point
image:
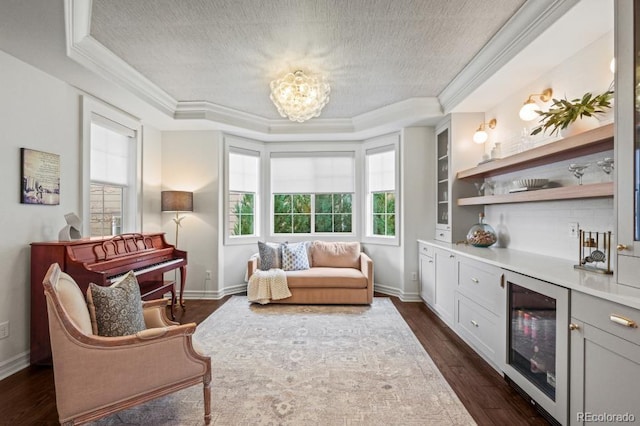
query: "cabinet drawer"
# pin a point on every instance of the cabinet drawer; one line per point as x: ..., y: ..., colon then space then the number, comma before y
x: 443, y: 235
x: 606, y: 315
x: 482, y: 283
x: 478, y: 326
x: 425, y: 250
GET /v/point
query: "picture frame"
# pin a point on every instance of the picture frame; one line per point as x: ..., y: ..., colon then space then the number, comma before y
x: 40, y: 177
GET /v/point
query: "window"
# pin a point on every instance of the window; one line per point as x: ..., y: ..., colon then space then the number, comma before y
x: 111, y: 175
x: 381, y: 197
x: 312, y: 192
x: 244, y: 169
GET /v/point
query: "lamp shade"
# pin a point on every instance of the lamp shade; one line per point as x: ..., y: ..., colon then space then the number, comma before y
x: 177, y: 201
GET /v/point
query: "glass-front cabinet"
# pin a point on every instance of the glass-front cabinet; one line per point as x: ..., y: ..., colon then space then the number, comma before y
x: 442, y: 171
x: 455, y: 151
x: 627, y: 131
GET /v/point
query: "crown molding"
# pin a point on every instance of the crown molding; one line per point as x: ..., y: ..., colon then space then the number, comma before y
x: 529, y: 22
x: 90, y: 53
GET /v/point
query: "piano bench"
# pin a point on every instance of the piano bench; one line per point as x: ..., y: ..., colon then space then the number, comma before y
x: 150, y: 290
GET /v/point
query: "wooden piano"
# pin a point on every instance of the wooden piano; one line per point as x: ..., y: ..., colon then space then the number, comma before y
x: 102, y: 261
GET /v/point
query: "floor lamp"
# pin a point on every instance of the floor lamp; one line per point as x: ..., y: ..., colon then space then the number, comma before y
x: 177, y: 201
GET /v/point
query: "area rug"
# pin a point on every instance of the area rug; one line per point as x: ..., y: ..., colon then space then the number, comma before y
x: 310, y: 365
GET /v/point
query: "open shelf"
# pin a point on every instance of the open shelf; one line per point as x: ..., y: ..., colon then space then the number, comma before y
x: 589, y: 142
x: 593, y: 190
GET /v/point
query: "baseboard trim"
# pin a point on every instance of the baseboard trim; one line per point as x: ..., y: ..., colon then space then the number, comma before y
x: 13, y: 365
x: 394, y: 291
x: 215, y: 295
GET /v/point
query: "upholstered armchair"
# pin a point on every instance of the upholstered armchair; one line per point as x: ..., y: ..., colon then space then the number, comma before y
x: 96, y: 376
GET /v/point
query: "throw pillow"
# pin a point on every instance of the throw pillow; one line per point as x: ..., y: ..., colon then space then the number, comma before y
x: 116, y: 310
x: 336, y: 254
x: 270, y: 256
x: 294, y: 257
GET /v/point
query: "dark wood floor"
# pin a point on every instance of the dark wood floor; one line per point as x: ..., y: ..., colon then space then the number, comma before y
x: 28, y: 397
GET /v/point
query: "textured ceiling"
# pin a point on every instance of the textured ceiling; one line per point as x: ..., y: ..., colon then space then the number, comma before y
x: 373, y: 52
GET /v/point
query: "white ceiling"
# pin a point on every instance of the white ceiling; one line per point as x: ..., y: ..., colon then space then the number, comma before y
x: 207, y: 63
x: 374, y: 53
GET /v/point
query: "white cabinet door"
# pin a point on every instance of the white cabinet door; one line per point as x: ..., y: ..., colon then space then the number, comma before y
x: 427, y: 270
x: 446, y: 283
x: 627, y: 152
x: 605, y: 360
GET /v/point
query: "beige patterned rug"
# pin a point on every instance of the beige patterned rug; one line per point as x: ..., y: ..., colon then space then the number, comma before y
x: 310, y: 365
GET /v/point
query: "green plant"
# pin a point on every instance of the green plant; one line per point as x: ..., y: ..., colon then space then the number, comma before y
x: 563, y: 112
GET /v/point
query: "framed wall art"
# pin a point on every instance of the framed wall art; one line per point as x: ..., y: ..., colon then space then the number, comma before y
x: 40, y: 177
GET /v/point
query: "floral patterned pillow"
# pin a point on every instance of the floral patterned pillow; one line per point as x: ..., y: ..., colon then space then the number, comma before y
x: 116, y: 310
x: 270, y: 255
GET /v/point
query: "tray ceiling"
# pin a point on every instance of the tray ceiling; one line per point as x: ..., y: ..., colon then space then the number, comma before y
x: 225, y: 52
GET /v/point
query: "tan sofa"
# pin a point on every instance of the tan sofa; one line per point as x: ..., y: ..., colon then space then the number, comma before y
x: 339, y: 273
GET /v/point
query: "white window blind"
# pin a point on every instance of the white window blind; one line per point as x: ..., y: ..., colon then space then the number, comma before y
x: 381, y: 169
x: 304, y: 173
x: 243, y: 171
x: 109, y: 155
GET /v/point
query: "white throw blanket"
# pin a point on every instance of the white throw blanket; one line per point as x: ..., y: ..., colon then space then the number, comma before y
x: 265, y: 286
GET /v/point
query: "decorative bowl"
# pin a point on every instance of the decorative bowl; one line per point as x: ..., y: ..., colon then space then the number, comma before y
x: 530, y: 183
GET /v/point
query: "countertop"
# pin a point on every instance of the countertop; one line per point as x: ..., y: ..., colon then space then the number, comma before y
x: 554, y: 270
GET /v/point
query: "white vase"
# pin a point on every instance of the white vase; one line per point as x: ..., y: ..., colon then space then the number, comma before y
x: 580, y: 125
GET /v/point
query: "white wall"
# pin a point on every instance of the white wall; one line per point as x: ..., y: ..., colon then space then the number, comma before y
x: 190, y: 161
x: 42, y: 113
x: 542, y: 227
x: 152, y: 179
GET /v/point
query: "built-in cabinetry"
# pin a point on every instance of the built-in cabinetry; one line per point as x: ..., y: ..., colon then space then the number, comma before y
x: 589, y: 142
x: 480, y: 309
x: 455, y: 150
x: 445, y: 284
x: 627, y: 155
x: 605, y: 360
x: 427, y: 272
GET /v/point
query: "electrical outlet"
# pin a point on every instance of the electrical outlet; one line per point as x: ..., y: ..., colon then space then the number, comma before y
x: 207, y: 275
x: 4, y: 330
x: 414, y: 276
x: 573, y: 229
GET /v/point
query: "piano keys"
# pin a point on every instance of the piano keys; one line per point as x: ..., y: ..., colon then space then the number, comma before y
x: 102, y: 261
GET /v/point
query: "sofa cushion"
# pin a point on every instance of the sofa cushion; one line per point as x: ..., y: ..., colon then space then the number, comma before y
x: 335, y: 254
x: 327, y: 278
x: 116, y: 310
x: 270, y: 255
x: 294, y: 257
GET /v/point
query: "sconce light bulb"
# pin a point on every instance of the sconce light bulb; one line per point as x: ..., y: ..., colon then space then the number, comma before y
x: 528, y: 111
x: 480, y: 136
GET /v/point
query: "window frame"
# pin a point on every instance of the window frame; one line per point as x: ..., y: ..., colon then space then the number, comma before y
x: 321, y: 149
x: 99, y: 112
x: 241, y: 145
x: 390, y: 142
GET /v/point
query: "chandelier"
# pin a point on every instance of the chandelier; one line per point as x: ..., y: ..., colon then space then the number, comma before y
x: 300, y: 97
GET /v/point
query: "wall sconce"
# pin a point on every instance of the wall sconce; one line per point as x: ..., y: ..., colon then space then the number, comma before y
x: 481, y: 136
x: 528, y: 110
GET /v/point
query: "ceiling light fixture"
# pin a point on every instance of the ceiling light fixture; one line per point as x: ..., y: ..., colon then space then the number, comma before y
x: 528, y: 110
x: 300, y: 97
x: 481, y: 136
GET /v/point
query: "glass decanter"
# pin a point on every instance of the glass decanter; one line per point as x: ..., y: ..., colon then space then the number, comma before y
x: 481, y: 234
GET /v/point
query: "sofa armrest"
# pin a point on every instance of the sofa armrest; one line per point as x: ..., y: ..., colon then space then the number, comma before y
x: 252, y: 266
x: 366, y: 266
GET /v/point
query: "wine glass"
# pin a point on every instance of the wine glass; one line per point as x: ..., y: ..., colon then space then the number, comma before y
x: 578, y: 170
x: 606, y: 164
x: 480, y: 187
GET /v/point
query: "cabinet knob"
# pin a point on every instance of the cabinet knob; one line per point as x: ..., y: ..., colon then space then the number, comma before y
x: 573, y: 327
x: 451, y: 256
x: 475, y: 280
x: 621, y: 247
x: 474, y: 323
